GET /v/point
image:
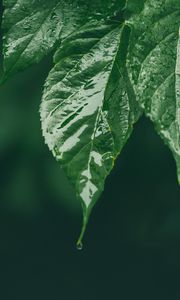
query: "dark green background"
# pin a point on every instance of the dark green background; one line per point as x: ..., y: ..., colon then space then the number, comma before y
x: 132, y: 245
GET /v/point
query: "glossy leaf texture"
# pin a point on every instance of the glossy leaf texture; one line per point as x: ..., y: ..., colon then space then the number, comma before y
x: 153, y: 67
x: 88, y: 109
x: 114, y: 60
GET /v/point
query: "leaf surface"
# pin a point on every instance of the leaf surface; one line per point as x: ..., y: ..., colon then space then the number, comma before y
x: 88, y: 109
x: 30, y: 30
x: 153, y: 67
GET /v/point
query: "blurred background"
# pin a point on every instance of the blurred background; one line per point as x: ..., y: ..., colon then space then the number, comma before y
x: 132, y: 245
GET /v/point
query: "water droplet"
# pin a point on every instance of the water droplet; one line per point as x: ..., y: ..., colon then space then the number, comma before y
x: 79, y: 246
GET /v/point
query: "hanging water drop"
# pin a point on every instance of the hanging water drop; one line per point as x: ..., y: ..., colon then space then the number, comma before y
x: 79, y: 246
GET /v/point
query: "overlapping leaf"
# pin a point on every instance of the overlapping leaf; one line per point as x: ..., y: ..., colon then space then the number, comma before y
x: 30, y: 30
x: 151, y: 63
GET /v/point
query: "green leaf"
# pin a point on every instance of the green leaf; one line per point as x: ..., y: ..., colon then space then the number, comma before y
x: 153, y: 67
x: 113, y: 60
x: 88, y: 108
x: 30, y: 30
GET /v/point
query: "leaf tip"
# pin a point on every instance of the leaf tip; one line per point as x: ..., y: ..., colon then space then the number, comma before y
x: 86, y: 213
x: 79, y: 244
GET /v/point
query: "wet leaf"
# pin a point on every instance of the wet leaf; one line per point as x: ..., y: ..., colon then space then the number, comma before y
x: 87, y: 109
x: 153, y: 66
x: 113, y: 60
